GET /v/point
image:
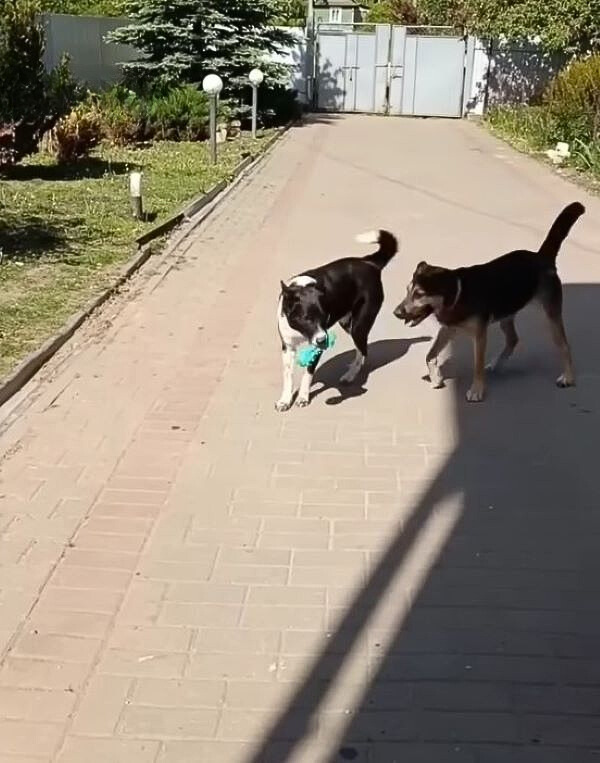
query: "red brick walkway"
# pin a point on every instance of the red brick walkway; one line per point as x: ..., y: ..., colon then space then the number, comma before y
x: 186, y: 575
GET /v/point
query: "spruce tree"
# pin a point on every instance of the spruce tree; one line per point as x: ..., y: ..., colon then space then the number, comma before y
x: 183, y: 40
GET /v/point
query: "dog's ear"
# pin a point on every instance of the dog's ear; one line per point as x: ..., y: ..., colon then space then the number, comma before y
x: 284, y: 287
x: 442, y: 282
x: 421, y: 268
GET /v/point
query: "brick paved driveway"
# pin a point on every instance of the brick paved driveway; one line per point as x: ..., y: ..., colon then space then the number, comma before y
x: 390, y: 575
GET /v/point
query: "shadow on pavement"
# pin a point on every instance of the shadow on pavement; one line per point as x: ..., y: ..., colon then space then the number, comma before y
x: 381, y: 353
x: 490, y: 654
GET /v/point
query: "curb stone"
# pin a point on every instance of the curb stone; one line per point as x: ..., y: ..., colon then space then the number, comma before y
x: 201, y: 201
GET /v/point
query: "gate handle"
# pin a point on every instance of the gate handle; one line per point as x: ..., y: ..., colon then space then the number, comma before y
x: 351, y: 68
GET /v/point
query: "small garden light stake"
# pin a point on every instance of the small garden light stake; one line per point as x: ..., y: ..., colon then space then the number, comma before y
x: 135, y: 192
x: 212, y: 85
x: 256, y: 77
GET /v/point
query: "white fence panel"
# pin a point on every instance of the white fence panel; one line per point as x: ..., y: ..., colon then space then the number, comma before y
x: 92, y: 59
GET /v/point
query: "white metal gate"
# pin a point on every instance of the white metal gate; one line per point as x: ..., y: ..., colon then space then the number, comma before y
x: 390, y: 70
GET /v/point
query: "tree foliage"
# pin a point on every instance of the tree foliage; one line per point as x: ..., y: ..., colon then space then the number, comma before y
x: 22, y: 73
x: 393, y: 12
x: 572, y: 26
x: 84, y: 7
x: 183, y: 40
x: 291, y: 13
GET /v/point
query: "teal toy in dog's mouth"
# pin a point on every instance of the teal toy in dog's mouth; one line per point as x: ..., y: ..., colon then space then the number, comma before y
x: 308, y: 356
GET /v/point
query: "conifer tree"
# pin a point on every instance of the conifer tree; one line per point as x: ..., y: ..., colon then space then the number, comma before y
x: 183, y: 40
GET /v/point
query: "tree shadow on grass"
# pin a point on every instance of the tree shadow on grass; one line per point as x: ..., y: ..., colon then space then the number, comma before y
x: 29, y: 236
x: 88, y: 168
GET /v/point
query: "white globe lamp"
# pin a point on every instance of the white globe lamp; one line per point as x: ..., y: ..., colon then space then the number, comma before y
x: 212, y: 84
x: 256, y: 77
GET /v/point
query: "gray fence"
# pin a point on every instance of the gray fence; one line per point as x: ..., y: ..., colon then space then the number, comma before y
x: 92, y: 59
x: 509, y: 73
x: 520, y: 74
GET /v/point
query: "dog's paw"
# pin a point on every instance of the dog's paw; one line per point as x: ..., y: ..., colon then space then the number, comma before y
x: 475, y: 394
x: 302, y: 402
x: 435, y: 377
x: 283, y: 405
x: 565, y: 381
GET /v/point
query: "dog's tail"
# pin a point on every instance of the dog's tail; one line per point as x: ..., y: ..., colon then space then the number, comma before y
x: 560, y: 230
x: 388, y: 246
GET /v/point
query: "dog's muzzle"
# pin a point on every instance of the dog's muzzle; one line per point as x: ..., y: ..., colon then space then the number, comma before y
x: 400, y: 312
x: 412, y: 318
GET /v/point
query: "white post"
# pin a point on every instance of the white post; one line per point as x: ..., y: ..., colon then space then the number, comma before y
x: 135, y: 193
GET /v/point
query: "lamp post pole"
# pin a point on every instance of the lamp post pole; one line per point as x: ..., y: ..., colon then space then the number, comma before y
x: 212, y: 85
x: 213, y: 129
x: 254, y: 109
x: 255, y: 77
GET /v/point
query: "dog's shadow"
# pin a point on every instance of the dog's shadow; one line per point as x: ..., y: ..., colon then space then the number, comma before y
x: 381, y: 353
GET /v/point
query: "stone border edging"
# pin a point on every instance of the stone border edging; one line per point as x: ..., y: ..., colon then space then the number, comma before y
x: 28, y: 367
x: 201, y: 201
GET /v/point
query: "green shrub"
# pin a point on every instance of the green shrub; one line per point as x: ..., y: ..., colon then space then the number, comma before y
x: 75, y: 135
x: 62, y: 90
x: 573, y: 100
x: 585, y: 156
x: 22, y: 71
x: 278, y: 105
x: 570, y: 112
x: 31, y: 100
x: 123, y: 116
x: 529, y: 127
x: 180, y: 114
x: 177, y: 114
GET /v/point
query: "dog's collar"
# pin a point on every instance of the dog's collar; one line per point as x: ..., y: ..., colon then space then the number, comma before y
x: 458, y: 292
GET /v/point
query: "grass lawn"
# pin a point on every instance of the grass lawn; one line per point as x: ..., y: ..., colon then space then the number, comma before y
x: 529, y: 129
x: 65, y: 231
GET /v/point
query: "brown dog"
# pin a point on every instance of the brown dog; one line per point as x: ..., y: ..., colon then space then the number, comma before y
x: 471, y: 298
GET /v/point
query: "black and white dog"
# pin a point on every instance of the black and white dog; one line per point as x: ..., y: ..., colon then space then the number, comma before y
x: 346, y: 291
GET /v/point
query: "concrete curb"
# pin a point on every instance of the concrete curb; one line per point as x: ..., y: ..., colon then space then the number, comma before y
x: 24, y: 372
x: 204, y: 199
